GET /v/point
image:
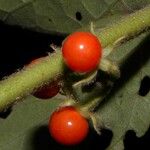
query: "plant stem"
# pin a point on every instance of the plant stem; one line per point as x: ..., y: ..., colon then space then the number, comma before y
x: 128, y: 26
x: 25, y: 81
x: 22, y: 83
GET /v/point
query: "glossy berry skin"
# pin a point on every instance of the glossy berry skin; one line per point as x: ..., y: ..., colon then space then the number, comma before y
x: 82, y: 51
x: 67, y: 126
x: 47, y: 91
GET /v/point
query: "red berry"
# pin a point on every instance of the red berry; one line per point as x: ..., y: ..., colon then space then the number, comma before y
x: 67, y: 126
x: 82, y: 51
x: 47, y: 91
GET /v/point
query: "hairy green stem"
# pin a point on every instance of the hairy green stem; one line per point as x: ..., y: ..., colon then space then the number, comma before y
x: 128, y: 26
x: 24, y: 82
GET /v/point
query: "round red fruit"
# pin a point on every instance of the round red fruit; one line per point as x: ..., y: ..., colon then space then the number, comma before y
x: 82, y: 51
x: 47, y: 91
x: 67, y: 126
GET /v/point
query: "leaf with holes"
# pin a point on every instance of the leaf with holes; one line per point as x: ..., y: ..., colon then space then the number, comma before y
x: 123, y: 109
x: 127, y: 107
x: 63, y: 16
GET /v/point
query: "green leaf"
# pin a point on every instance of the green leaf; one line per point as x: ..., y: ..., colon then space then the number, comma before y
x: 26, y: 117
x: 125, y: 109
x: 52, y: 16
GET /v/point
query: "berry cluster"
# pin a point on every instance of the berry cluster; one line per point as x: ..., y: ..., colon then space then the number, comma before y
x: 82, y: 52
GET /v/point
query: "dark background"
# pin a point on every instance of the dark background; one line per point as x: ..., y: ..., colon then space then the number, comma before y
x: 17, y: 48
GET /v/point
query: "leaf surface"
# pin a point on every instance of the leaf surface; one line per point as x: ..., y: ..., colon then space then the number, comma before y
x: 63, y: 16
x: 126, y: 108
x: 17, y: 129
